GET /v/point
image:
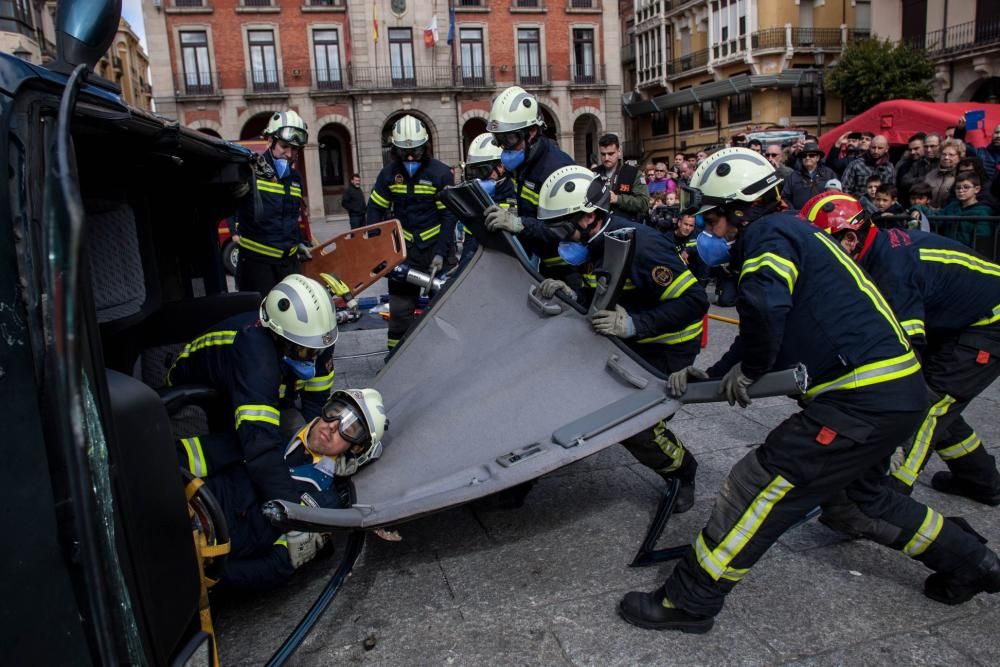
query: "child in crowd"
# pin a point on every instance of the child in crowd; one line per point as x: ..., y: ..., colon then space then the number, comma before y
x: 920, y: 206
x: 889, y: 210
x: 868, y: 199
x: 967, y: 204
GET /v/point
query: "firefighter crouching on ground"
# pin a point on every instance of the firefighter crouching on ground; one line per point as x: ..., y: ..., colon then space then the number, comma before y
x: 803, y: 300
x: 483, y: 164
x: 345, y: 436
x: 270, y: 239
x: 947, y: 299
x: 408, y: 189
x: 661, y: 308
x: 529, y: 157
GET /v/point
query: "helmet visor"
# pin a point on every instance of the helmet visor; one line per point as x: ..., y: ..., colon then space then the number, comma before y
x: 563, y: 229
x: 509, y: 140
x: 352, y: 425
x: 690, y: 200
x: 480, y: 170
x: 416, y: 152
x: 293, y: 135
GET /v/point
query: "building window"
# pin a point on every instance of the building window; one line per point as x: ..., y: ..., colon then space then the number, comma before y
x: 194, y: 57
x: 661, y: 123
x: 263, y: 60
x: 473, y: 66
x: 189, y: 3
x: 583, y: 55
x: 326, y: 3
x: 529, y: 55
x: 326, y: 45
x: 401, y: 56
x: 708, y: 115
x: 16, y: 16
x: 685, y: 118
x: 528, y: 4
x: 804, y: 99
x: 740, y: 109
x: 256, y: 3
x: 729, y: 20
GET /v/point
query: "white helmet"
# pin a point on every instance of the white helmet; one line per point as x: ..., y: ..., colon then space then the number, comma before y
x: 288, y: 126
x: 409, y: 132
x: 362, y: 422
x: 570, y: 190
x: 483, y: 149
x: 728, y: 176
x: 300, y: 310
x: 514, y: 109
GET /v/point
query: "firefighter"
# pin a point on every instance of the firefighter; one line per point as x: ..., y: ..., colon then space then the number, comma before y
x: 661, y: 310
x: 529, y: 157
x: 802, y: 300
x: 259, y: 363
x: 270, y: 238
x: 483, y: 164
x: 345, y: 436
x: 408, y: 189
x: 947, y: 299
x: 629, y: 194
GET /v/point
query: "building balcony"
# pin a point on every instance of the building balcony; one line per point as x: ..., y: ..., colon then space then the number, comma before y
x: 265, y: 83
x: 628, y: 53
x: 804, y: 38
x: 197, y: 85
x: 536, y: 76
x: 411, y: 78
x: 958, y: 39
x: 689, y: 63
x: 586, y: 75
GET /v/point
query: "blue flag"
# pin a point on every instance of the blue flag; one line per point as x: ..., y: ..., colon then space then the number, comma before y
x: 451, y: 26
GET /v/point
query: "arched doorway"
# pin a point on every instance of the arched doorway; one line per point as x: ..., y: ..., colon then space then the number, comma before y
x: 255, y: 126
x: 551, y: 127
x: 988, y: 92
x: 210, y: 132
x: 472, y: 129
x: 586, y: 131
x: 387, y: 133
x: 336, y: 164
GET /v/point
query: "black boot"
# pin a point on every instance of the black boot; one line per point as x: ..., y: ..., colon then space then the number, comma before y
x: 685, y: 497
x: 646, y: 610
x: 958, y: 587
x: 947, y: 482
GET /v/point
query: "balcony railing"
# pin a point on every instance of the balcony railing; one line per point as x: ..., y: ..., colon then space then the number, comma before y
x: 326, y: 3
x: 189, y: 3
x: 628, y: 53
x: 958, y: 38
x: 475, y: 77
x: 196, y: 84
x: 470, y: 3
x: 329, y: 79
x: 816, y: 37
x: 583, y: 4
x: 586, y: 75
x: 780, y: 38
x: 263, y: 81
x: 255, y: 3
x: 688, y: 62
x: 533, y: 76
x: 528, y: 4
x: 729, y: 48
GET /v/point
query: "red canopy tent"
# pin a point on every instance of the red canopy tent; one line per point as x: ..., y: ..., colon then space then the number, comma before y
x: 900, y: 119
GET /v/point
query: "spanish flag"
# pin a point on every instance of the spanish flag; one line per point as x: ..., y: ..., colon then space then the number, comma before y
x: 374, y: 23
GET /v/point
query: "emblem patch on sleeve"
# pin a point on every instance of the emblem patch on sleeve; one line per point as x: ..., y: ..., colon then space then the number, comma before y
x: 399, y: 179
x: 662, y: 276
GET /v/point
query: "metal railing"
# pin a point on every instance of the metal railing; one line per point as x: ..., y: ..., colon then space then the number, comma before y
x: 263, y: 81
x: 584, y: 75
x: 628, y: 53
x: 689, y: 62
x: 965, y: 229
x: 192, y: 84
x: 533, y: 76
x: 528, y: 4
x: 729, y: 48
x: 475, y: 77
x: 326, y: 3
x: 583, y: 4
x: 255, y: 3
x: 957, y: 38
x: 816, y: 37
x: 189, y: 3
x: 470, y: 3
x: 329, y: 79
x: 780, y: 38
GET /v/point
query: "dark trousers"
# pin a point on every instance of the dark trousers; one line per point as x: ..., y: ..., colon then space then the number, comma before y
x: 827, y: 452
x: 356, y: 220
x: 957, y: 369
x: 260, y: 274
x: 403, y: 296
x: 658, y: 448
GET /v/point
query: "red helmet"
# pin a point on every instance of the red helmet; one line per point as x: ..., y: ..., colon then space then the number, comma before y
x: 834, y: 212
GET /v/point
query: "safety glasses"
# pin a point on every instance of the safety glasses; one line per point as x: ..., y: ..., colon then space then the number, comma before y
x: 293, y: 135
x: 480, y: 170
x: 299, y: 353
x: 351, y: 426
x: 508, y: 140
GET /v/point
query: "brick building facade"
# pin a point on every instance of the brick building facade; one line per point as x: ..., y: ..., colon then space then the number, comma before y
x: 228, y: 63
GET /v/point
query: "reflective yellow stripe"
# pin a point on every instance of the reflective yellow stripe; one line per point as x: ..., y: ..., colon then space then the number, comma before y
x: 424, y: 190
x: 716, y: 561
x: 819, y: 204
x: 440, y: 206
x: 379, y: 200
x: 925, y: 535
x: 781, y: 266
x: 391, y: 342
x: 205, y: 340
x: 338, y: 286
x: 407, y: 236
x: 530, y: 195
x: 318, y: 383
x: 960, y: 449
x: 260, y: 248
x: 281, y: 542
x: 865, y: 285
x: 558, y: 261
x: 398, y: 188
x: 675, y: 337
x: 428, y: 234
x: 257, y: 413
x: 921, y: 447
x: 679, y: 286
x: 267, y: 186
x: 869, y: 374
x: 196, y: 456
x: 965, y: 260
x: 989, y: 319
x: 913, y: 327
x: 295, y: 192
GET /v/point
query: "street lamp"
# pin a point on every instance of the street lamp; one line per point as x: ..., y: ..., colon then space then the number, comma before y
x: 22, y: 53
x: 820, y: 60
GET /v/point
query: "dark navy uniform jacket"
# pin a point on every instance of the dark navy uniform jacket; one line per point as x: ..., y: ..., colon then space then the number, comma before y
x: 802, y: 299
x: 239, y: 359
x: 527, y: 181
x: 268, y: 217
x: 416, y: 203
x: 934, y: 284
x: 665, y: 301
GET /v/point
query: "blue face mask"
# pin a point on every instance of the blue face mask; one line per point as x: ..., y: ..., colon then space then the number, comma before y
x: 411, y: 167
x: 304, y: 370
x: 712, y: 250
x: 512, y: 159
x: 489, y: 186
x: 281, y: 166
x: 574, y: 253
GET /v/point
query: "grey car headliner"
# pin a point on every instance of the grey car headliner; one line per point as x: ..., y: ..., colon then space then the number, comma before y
x: 481, y: 375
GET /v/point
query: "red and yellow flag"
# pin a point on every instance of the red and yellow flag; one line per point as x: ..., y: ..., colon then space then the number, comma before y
x: 374, y: 22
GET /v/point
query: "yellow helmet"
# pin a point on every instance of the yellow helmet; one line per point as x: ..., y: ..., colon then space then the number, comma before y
x: 514, y: 109
x: 409, y: 132
x: 363, y: 422
x: 571, y: 190
x: 300, y: 310
x: 288, y: 126
x: 483, y: 149
x: 726, y: 177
